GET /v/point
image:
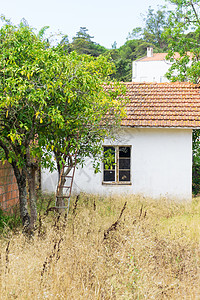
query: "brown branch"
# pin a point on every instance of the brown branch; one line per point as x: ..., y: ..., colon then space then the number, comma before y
x: 114, y: 225
x: 195, y: 12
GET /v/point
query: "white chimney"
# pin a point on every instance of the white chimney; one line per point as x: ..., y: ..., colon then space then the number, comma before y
x: 149, y: 51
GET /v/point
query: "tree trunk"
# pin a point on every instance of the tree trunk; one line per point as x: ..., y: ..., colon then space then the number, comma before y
x: 32, y: 197
x: 60, y: 202
x: 21, y: 181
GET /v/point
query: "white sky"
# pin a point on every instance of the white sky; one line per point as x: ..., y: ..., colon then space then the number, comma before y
x: 107, y: 20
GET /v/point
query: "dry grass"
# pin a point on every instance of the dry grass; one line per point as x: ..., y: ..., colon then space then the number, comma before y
x: 150, y: 252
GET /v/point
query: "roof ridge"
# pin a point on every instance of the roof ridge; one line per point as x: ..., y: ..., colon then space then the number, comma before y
x: 162, y: 83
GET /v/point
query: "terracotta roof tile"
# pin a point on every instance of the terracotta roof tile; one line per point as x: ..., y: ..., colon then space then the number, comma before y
x: 163, y: 105
x: 160, y: 56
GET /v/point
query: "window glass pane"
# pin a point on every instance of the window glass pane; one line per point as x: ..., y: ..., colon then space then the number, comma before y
x: 124, y: 176
x: 124, y: 152
x: 109, y: 158
x: 124, y: 163
x: 109, y: 175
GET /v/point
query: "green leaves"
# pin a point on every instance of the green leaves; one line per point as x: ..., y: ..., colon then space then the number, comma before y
x: 50, y: 101
x: 183, y: 36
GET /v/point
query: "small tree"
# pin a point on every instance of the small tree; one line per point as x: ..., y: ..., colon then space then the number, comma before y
x: 47, y: 98
x: 91, y: 110
x: 25, y: 69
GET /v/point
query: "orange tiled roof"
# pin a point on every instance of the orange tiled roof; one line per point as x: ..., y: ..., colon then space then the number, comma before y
x: 163, y: 105
x: 160, y: 56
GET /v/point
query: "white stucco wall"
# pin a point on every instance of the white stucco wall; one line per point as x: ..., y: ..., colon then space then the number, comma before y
x: 149, y: 71
x: 161, y: 165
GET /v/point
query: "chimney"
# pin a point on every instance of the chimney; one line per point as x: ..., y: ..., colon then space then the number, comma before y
x: 149, y: 51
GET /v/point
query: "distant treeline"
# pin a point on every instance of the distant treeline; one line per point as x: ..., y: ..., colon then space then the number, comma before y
x: 135, y: 47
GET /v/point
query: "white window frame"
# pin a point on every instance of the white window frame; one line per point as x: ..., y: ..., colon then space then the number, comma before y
x: 117, y: 182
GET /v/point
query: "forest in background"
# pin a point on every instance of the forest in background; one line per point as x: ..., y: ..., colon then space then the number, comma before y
x: 134, y: 48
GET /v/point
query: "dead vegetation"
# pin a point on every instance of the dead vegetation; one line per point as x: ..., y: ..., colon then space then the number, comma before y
x: 107, y: 248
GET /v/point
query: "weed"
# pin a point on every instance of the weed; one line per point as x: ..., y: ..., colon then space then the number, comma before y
x: 9, y: 220
x: 115, y: 224
x: 107, y: 248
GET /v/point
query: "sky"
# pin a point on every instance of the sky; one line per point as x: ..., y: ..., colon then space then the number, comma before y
x: 106, y: 20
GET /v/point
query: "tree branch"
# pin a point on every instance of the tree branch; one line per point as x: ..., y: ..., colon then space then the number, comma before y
x: 195, y: 12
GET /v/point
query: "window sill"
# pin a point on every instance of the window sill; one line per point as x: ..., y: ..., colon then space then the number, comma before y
x: 116, y: 183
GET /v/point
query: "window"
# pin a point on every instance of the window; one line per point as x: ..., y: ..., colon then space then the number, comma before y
x: 117, y: 165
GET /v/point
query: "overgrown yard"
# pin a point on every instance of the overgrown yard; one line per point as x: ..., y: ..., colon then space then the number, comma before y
x: 106, y: 249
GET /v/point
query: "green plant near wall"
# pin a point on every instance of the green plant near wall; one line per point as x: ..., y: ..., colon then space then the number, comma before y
x: 9, y: 220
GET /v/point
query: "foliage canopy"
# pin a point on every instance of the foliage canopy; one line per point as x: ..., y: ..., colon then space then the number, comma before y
x: 50, y: 101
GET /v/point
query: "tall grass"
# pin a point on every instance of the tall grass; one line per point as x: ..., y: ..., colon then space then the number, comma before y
x: 106, y: 249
